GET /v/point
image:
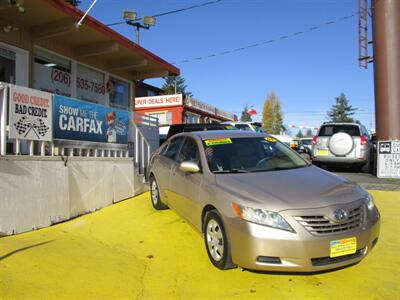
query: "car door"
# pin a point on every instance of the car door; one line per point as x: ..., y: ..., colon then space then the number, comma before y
x: 162, y: 167
x: 186, y: 186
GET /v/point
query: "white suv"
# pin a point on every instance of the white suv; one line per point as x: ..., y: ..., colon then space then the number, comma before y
x: 342, y: 143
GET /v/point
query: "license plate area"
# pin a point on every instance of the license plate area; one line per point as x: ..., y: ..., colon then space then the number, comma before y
x: 343, y: 247
x: 322, y: 152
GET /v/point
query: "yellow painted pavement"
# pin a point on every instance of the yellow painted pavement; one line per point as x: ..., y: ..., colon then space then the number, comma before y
x: 130, y: 251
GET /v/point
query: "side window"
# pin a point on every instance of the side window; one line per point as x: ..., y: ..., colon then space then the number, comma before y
x: 189, y: 152
x: 172, y: 149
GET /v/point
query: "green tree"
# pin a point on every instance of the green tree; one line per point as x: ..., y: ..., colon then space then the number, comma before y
x: 272, y: 117
x: 175, y: 85
x: 299, y: 134
x: 245, y: 116
x: 309, y: 133
x: 73, y: 2
x: 342, y: 110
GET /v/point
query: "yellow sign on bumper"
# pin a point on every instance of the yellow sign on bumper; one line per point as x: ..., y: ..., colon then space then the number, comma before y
x: 343, y: 247
x: 323, y: 152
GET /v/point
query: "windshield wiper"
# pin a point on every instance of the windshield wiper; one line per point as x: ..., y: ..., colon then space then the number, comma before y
x: 231, y: 171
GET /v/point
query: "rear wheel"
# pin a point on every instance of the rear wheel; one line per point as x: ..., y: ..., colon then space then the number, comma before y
x: 155, y: 195
x: 366, y: 168
x: 217, y: 242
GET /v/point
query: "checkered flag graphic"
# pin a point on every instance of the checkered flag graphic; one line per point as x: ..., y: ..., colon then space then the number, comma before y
x: 23, y: 125
x: 40, y: 128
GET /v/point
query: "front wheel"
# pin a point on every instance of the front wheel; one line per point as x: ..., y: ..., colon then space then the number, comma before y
x: 155, y: 195
x: 216, y: 241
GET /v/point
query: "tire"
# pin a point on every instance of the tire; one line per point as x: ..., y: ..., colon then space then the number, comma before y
x: 155, y: 195
x: 216, y: 241
x: 366, y: 168
x: 341, y: 144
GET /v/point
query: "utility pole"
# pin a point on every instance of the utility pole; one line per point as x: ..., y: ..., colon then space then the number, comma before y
x: 386, y: 41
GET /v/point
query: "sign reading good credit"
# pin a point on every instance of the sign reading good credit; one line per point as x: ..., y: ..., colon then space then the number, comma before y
x: 30, y: 114
x: 84, y: 121
x: 155, y: 101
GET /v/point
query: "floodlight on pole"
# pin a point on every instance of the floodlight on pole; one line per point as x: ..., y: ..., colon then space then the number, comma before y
x: 149, y: 21
x: 130, y: 15
x: 130, y: 18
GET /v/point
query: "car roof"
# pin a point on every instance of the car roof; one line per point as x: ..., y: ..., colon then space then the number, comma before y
x: 216, y: 134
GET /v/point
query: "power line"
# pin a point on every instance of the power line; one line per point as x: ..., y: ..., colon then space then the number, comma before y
x: 283, y: 37
x: 172, y: 11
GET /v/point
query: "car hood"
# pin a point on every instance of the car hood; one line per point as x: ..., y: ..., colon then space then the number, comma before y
x: 301, y: 188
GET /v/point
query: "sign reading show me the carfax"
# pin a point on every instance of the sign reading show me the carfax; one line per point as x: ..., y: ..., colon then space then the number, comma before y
x: 84, y: 121
x: 30, y: 114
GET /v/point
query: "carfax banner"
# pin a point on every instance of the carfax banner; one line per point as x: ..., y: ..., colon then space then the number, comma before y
x: 30, y: 114
x: 84, y: 121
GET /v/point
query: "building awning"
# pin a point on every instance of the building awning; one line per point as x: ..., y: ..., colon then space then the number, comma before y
x: 51, y: 24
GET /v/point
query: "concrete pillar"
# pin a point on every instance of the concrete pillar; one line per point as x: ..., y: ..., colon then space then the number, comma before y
x: 386, y: 32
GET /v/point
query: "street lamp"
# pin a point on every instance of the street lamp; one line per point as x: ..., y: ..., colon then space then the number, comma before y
x: 130, y: 18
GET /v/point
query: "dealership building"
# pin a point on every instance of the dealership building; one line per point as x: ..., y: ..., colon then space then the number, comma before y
x: 176, y: 109
x: 70, y: 142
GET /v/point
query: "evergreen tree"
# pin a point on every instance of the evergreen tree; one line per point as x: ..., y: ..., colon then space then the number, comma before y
x: 245, y: 116
x: 341, y: 111
x: 73, y: 2
x: 309, y: 133
x: 272, y: 117
x: 299, y: 134
x: 177, y: 84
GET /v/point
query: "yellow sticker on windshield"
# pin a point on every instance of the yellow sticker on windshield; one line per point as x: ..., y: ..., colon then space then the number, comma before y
x: 215, y: 142
x: 229, y: 127
x: 270, y: 139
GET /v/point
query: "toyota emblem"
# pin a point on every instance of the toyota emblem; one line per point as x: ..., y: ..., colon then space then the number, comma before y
x: 340, y: 215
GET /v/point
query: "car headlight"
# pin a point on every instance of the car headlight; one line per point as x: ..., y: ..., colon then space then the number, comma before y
x: 369, y: 202
x: 261, y: 216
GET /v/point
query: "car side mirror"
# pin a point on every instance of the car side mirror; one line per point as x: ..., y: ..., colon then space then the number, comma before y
x: 189, y: 167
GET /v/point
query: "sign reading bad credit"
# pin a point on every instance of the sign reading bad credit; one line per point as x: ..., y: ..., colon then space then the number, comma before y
x: 156, y: 101
x: 84, y: 121
x: 30, y: 114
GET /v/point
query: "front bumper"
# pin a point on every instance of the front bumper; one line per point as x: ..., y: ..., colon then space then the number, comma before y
x: 297, y: 252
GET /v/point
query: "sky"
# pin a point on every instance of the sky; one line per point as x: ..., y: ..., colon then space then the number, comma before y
x: 307, y: 71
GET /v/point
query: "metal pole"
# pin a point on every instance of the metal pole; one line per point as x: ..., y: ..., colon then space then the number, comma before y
x: 137, y: 35
x: 84, y: 16
x: 386, y: 31
x: 3, y: 120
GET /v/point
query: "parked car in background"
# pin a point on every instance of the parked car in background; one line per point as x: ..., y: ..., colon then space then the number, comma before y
x: 246, y: 126
x: 306, y: 142
x: 342, y: 143
x: 259, y: 205
x: 178, y: 128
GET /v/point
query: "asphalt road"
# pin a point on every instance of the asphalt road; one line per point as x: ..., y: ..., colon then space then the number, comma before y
x: 131, y: 251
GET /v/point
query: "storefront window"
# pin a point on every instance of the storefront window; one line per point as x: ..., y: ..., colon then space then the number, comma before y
x: 193, y: 119
x: 52, y: 73
x: 162, y: 117
x: 119, y: 93
x: 7, y: 66
x: 90, y: 85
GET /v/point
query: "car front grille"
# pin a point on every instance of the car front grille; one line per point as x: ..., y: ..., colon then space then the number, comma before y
x: 322, y: 225
x: 323, y: 261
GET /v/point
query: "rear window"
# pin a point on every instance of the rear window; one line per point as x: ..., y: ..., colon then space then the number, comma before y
x: 329, y: 130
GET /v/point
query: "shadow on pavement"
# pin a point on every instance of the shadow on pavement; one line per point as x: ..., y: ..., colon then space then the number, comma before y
x: 23, y: 249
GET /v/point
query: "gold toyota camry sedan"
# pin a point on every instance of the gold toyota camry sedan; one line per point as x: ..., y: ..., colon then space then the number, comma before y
x: 260, y: 205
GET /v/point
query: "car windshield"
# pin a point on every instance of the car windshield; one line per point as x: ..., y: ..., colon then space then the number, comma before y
x: 306, y: 142
x: 254, y: 154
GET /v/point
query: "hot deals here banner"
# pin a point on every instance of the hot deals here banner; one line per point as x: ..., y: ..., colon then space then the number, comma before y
x: 83, y: 121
